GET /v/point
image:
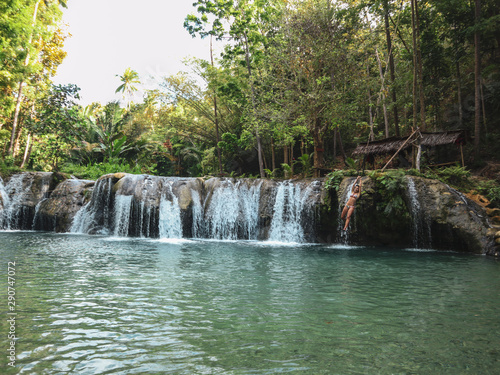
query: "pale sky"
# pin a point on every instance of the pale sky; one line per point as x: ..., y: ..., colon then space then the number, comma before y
x: 110, y: 35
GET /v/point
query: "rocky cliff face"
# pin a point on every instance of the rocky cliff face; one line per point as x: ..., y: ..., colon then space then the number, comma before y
x: 430, y: 214
x: 56, y: 212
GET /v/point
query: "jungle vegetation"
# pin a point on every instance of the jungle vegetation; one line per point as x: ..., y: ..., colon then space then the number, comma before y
x: 299, y: 84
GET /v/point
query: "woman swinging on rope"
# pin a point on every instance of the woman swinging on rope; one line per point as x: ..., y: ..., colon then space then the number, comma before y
x: 351, y: 202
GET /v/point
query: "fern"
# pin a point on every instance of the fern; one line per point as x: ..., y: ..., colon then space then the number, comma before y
x: 333, y: 180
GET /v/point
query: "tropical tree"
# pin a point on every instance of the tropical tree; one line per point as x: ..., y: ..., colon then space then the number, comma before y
x: 246, y: 24
x: 51, y: 15
x: 129, y: 79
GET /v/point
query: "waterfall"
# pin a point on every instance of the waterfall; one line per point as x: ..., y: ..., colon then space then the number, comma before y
x: 197, y: 212
x: 123, y: 206
x: 289, y: 208
x: 95, y: 216
x: 4, y: 203
x: 232, y: 212
x: 170, y: 216
x: 14, y: 195
x: 223, y: 209
x: 421, y: 225
x: 36, y: 217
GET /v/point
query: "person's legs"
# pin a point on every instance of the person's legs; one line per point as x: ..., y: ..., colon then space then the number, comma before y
x: 344, y: 212
x: 348, y: 218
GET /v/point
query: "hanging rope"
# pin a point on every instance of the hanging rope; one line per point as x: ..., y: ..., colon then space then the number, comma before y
x: 402, y: 146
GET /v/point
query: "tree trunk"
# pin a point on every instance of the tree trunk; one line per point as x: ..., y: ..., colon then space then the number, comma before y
x: 20, y: 91
x: 335, y: 144
x: 257, y: 135
x: 319, y: 147
x: 384, y: 105
x: 414, y: 39
x: 371, y: 137
x: 215, y: 113
x: 459, y: 96
x: 477, y: 79
x: 16, y: 119
x: 273, y: 155
x: 18, y: 137
x: 27, y: 151
x: 483, y: 106
x: 391, y: 68
x: 420, y: 71
x: 344, y: 157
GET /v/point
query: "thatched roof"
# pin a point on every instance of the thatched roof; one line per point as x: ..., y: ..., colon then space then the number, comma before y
x: 442, y: 138
x: 393, y: 144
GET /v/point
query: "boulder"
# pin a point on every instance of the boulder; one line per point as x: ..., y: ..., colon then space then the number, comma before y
x: 56, y: 213
x: 25, y: 191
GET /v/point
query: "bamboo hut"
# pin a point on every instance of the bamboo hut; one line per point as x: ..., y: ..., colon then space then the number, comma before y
x: 428, y: 141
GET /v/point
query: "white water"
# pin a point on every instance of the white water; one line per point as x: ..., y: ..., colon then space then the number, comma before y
x: 233, y: 209
x: 170, y: 216
x: 13, y: 195
x: 286, y: 225
x: 85, y: 219
x: 37, y: 211
x: 421, y: 225
x: 123, y: 206
x: 5, y: 201
x: 231, y: 212
x: 197, y: 212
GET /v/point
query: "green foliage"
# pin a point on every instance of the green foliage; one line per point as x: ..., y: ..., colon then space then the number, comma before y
x: 272, y: 174
x: 456, y: 176
x: 390, y: 186
x: 491, y: 190
x: 351, y: 163
x: 493, y: 194
x: 59, y: 113
x: 209, y: 163
x: 7, y: 167
x: 287, y: 170
x: 295, y: 72
x: 48, y: 153
x: 94, y: 171
x: 229, y: 143
x: 333, y: 180
x: 305, y: 161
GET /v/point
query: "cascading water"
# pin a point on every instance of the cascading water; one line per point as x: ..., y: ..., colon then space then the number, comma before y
x: 14, y: 213
x: 170, y: 215
x: 289, y: 207
x: 147, y: 206
x: 95, y: 216
x: 232, y: 212
x: 421, y: 226
x: 123, y: 206
x: 36, y: 218
x: 197, y: 212
x: 12, y: 206
x: 4, y: 203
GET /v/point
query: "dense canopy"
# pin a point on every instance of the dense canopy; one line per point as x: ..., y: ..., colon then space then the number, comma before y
x: 299, y: 85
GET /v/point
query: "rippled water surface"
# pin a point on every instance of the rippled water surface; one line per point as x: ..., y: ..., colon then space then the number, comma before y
x: 98, y: 305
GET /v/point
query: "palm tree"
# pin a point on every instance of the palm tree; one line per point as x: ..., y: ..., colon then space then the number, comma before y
x: 127, y: 88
